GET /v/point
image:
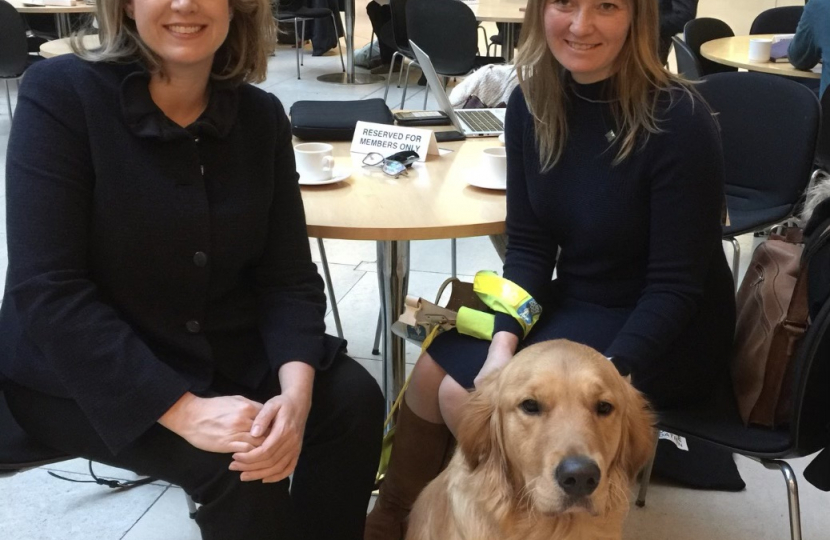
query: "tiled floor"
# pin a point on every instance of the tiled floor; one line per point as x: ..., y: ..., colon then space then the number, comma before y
x: 36, y: 506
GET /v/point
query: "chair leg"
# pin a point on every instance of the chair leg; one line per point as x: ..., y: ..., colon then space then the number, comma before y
x: 297, y: 45
x: 453, y: 254
x: 792, y: 494
x: 302, y: 43
x: 400, y: 73
x: 389, y: 76
x: 191, y: 506
x: 736, y: 260
x: 646, y: 477
x: 327, y: 276
x: 405, y: 85
x: 340, y: 47
x: 9, y: 100
x: 378, y: 335
x: 486, y: 40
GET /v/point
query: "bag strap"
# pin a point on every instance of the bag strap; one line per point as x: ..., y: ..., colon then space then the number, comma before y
x: 799, y: 308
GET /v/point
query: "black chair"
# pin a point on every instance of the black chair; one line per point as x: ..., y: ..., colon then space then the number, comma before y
x: 697, y: 32
x: 404, y: 51
x: 687, y: 64
x: 497, y: 40
x: 769, y: 127
x: 718, y: 422
x: 297, y: 12
x: 779, y: 20
x: 447, y: 31
x: 14, y: 49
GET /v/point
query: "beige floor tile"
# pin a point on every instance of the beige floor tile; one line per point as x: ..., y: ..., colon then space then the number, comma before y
x: 167, y: 519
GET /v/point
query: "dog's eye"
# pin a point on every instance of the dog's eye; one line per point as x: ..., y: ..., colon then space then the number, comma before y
x: 604, y: 408
x: 530, y: 406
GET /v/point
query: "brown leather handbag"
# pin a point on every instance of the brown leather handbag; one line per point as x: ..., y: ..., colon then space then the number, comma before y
x: 772, y: 319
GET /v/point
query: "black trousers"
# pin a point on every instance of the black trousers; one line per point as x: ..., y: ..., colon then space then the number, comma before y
x: 381, y: 19
x: 332, y: 482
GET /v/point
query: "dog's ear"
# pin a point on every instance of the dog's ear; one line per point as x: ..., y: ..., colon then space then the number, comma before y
x: 637, y: 440
x: 475, y: 434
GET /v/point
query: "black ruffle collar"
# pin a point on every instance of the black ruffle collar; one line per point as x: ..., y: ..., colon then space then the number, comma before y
x: 145, y: 119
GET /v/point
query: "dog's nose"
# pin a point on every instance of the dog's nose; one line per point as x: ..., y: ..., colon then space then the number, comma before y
x: 578, y: 476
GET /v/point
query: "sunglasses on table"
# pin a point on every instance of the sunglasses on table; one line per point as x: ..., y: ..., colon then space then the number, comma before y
x: 394, y: 165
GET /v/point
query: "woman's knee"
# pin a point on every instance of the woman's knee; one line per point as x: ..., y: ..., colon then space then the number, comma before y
x: 348, y: 393
x: 426, y: 376
x: 422, y: 392
x: 451, y: 398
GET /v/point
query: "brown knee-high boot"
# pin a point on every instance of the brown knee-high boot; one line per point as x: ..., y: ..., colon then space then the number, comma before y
x: 418, y: 455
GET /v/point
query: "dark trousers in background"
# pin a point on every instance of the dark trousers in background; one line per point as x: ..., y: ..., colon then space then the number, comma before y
x: 381, y: 19
x: 332, y: 482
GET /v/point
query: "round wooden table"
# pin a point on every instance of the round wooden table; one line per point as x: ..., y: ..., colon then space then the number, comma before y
x: 510, y: 12
x: 57, y: 47
x: 61, y: 12
x: 433, y: 202
x: 734, y: 51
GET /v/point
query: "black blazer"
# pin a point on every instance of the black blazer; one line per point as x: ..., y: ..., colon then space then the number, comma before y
x: 144, y: 257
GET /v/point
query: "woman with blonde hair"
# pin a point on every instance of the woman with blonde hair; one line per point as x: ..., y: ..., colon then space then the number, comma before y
x: 615, y: 180
x: 162, y: 313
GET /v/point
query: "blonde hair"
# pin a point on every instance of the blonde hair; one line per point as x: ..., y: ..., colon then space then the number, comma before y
x: 243, y: 57
x: 638, y: 73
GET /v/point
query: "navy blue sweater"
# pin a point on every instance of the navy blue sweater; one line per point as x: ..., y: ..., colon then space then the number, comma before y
x: 644, y: 234
x: 144, y: 258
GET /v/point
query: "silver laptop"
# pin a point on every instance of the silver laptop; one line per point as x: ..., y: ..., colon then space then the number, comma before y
x: 471, y: 122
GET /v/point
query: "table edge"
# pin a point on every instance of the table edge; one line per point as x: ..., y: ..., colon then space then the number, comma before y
x: 414, y: 233
x: 759, y: 67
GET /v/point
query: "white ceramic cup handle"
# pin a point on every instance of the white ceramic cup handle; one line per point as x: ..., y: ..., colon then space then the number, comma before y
x: 328, y: 163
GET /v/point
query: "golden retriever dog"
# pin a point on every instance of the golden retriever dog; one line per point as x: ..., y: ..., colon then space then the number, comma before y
x: 548, y: 448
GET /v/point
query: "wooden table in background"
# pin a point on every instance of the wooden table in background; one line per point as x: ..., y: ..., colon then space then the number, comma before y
x: 57, y: 47
x: 61, y: 12
x: 509, y: 12
x: 433, y: 202
x: 734, y: 51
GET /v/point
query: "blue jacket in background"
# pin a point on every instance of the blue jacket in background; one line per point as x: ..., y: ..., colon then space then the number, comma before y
x: 811, y: 44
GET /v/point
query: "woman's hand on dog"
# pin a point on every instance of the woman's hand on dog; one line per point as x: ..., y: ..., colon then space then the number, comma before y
x: 282, y: 420
x: 502, y: 349
x: 217, y: 424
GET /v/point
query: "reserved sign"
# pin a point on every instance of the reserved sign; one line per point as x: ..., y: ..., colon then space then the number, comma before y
x: 387, y: 140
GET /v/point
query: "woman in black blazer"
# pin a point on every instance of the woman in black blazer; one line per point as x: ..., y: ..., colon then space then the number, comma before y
x: 162, y: 313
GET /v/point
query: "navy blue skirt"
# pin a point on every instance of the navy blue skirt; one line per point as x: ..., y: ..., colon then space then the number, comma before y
x: 694, y: 365
x: 462, y: 356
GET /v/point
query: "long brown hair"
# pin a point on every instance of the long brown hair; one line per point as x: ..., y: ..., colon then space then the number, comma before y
x: 637, y: 74
x: 243, y: 57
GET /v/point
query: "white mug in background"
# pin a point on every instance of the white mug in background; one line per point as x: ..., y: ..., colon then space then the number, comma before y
x: 314, y: 161
x: 759, y: 49
x: 494, y: 165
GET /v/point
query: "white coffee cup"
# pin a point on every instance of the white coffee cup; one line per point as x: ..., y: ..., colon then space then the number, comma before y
x: 759, y: 49
x: 315, y: 162
x: 494, y: 165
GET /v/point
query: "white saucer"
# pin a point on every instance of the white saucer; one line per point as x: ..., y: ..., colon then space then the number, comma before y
x: 501, y: 138
x: 339, y: 176
x: 483, y: 181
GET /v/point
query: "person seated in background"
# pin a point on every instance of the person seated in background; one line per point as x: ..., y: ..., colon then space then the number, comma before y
x: 615, y: 179
x: 674, y: 14
x: 380, y: 15
x: 162, y: 313
x: 811, y: 43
